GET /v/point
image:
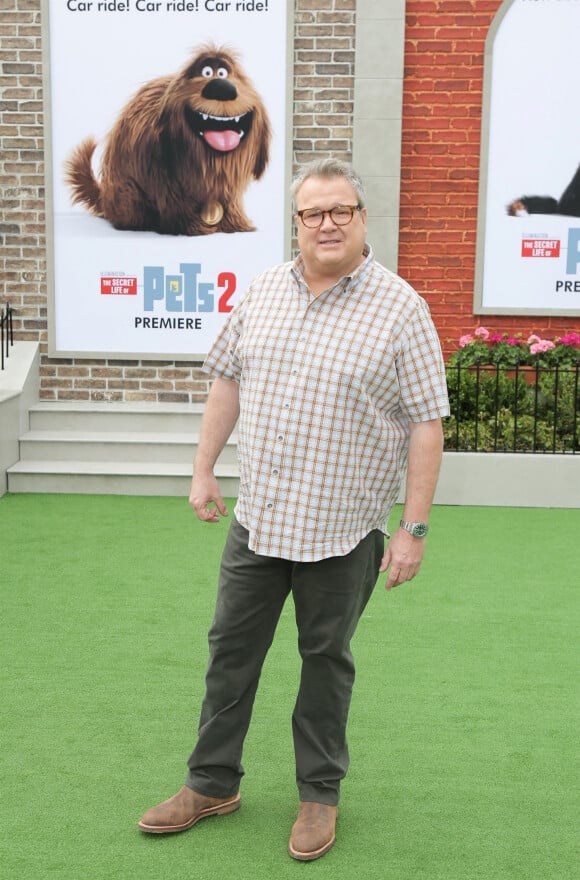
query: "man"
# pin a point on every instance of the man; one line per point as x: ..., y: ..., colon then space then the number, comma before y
x: 333, y: 366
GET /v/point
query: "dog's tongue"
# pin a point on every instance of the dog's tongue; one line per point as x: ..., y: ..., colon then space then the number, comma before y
x: 222, y: 140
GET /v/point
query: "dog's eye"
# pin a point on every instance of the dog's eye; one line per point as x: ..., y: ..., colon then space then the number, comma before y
x: 207, y: 71
x: 222, y: 72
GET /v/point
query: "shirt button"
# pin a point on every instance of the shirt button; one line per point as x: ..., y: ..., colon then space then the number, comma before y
x: 275, y: 472
x: 269, y: 506
x: 280, y: 437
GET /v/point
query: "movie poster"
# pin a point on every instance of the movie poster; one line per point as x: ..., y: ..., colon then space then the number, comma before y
x: 528, y: 258
x: 167, y: 168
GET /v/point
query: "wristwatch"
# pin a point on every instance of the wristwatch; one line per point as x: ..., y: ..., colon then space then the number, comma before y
x: 417, y: 529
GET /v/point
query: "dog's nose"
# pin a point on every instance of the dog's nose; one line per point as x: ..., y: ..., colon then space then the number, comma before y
x: 220, y: 90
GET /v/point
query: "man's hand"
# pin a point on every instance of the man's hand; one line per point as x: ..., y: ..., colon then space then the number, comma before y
x: 205, y: 491
x: 402, y: 558
x: 220, y: 416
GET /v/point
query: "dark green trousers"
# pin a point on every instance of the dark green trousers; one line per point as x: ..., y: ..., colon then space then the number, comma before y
x: 329, y: 598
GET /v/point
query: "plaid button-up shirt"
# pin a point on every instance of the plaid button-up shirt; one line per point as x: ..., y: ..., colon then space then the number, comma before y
x: 328, y: 385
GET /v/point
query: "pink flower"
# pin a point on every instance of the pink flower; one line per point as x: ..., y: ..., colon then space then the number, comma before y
x: 541, y: 346
x: 481, y: 332
x: 511, y: 340
x: 533, y: 339
x: 465, y: 340
x: 570, y: 339
x: 495, y: 337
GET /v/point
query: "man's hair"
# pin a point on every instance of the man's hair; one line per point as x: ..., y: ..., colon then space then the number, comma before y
x: 328, y: 168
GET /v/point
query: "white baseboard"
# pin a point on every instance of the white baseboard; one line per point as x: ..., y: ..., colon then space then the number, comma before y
x: 509, y: 480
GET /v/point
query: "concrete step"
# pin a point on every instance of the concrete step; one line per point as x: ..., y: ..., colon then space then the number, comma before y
x: 112, y: 478
x: 88, y: 416
x: 128, y: 446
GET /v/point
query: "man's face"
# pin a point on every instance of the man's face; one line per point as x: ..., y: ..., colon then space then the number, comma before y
x: 330, y: 251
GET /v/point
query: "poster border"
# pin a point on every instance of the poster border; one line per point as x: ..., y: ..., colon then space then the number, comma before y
x: 172, y: 357
x: 478, y: 307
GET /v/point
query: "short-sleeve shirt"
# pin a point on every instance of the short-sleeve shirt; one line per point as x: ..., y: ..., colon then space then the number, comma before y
x: 328, y: 386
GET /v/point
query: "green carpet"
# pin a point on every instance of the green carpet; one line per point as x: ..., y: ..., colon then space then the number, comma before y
x: 463, y: 730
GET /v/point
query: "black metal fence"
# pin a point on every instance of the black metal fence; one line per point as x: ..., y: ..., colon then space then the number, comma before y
x: 497, y: 408
x: 6, y: 333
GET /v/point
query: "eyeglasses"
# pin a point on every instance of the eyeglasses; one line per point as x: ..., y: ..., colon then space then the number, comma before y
x: 341, y: 215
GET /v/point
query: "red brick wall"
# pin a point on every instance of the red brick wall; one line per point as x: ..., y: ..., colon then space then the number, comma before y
x: 442, y: 101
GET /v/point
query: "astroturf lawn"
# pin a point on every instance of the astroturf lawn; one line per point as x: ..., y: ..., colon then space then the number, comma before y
x: 463, y: 731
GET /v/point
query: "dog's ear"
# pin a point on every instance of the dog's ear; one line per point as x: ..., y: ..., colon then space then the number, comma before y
x: 263, y: 136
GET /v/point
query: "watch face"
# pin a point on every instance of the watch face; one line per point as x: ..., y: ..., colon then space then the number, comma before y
x: 419, y: 530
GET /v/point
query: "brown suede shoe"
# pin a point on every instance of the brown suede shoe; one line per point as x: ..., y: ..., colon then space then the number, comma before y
x: 183, y: 810
x: 313, y: 832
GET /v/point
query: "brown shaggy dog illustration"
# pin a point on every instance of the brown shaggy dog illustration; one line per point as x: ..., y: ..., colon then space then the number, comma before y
x: 181, y: 154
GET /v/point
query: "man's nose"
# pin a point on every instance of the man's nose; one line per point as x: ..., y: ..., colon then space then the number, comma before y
x: 327, y: 221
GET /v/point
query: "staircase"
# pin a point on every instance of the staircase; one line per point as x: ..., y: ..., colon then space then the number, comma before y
x: 148, y: 449
x: 115, y: 449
